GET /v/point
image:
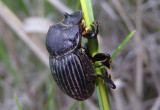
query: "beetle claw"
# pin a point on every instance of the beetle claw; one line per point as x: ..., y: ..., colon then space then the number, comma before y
x: 104, y: 57
x: 93, y: 32
x: 110, y: 82
x: 106, y: 78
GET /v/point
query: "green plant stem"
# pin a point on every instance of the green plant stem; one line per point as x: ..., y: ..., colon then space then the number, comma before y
x: 85, y: 106
x: 94, y: 49
x: 77, y: 5
x: 122, y: 45
x: 73, y: 105
x: 50, y: 100
x: 80, y: 105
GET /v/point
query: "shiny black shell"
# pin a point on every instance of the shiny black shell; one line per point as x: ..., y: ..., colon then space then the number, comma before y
x: 69, y: 72
x: 68, y: 62
x: 64, y: 36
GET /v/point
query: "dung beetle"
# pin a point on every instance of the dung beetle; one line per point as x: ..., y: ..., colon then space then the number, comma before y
x: 71, y: 65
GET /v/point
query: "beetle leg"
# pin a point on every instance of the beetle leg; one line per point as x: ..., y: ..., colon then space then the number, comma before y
x: 104, y: 57
x: 101, y: 56
x: 92, y: 76
x: 109, y: 82
x: 91, y: 33
x: 106, y: 78
x: 87, y: 50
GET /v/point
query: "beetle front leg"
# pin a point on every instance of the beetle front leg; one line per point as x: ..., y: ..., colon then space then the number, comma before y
x: 90, y: 34
x: 104, y: 57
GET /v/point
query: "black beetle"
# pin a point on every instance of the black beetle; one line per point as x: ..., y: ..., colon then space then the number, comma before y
x: 71, y: 65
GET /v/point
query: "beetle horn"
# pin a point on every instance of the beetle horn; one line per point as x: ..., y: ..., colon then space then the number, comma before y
x: 66, y: 15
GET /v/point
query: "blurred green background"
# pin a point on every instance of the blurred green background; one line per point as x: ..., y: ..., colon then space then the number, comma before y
x: 24, y: 69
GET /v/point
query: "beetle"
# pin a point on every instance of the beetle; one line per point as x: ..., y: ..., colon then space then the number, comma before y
x: 72, y: 66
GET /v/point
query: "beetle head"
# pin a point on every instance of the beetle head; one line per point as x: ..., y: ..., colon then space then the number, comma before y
x: 73, y: 19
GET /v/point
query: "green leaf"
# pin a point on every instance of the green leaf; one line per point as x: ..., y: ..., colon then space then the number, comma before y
x: 122, y: 45
x: 19, y: 107
x: 73, y: 105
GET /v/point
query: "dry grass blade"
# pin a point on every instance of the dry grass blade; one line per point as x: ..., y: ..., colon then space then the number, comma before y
x: 109, y: 10
x: 137, y: 39
x: 139, y: 72
x: 123, y: 14
x: 156, y: 105
x: 17, y: 26
x: 60, y: 6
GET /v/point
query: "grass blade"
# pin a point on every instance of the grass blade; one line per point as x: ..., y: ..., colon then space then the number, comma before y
x: 51, y: 101
x: 122, y: 45
x: 19, y: 107
x: 85, y: 106
x: 73, y: 105
x: 80, y: 105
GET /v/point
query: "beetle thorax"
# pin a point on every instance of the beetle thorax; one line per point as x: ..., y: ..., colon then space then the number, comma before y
x: 62, y: 39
